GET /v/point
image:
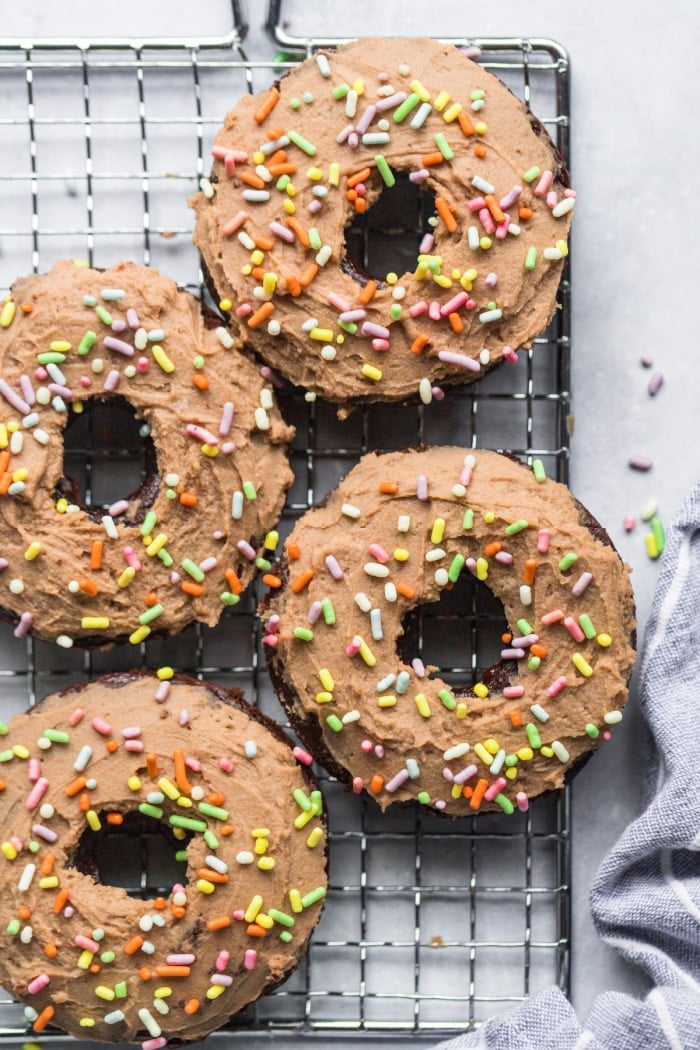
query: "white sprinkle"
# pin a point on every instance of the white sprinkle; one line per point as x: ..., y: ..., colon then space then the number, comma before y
x: 525, y: 594
x: 375, y: 620
x: 483, y: 185
x: 350, y: 716
x: 425, y: 391
x: 442, y: 577
x: 245, y: 857
x: 363, y: 602
x: 435, y: 555
x: 373, y: 568
x: 564, y: 206
x: 110, y: 527
x: 224, y: 337
x: 455, y: 752
x: 262, y: 420
x: 404, y: 523
x: 350, y: 511
x: 390, y: 592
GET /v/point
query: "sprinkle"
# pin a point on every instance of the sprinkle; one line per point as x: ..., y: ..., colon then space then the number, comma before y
x: 582, y: 665
x: 640, y: 463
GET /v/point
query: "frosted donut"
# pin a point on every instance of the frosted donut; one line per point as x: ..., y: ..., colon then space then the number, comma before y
x: 397, y: 533
x: 183, y: 546
x: 334, y: 139
x: 219, y: 781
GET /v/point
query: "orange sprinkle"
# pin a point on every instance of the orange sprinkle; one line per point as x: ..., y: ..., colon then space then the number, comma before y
x: 260, y: 314
x: 351, y: 196
x: 361, y: 205
x: 258, y: 272
x: 506, y: 637
x: 43, y: 1018
x: 152, y: 764
x: 46, y: 866
x: 308, y: 274
x: 497, y: 213
x: 303, y: 580
x: 270, y: 580
x: 88, y: 587
x: 467, y: 791
x: 5, y: 482
x: 282, y: 169
x: 525, y: 213
x: 115, y: 819
x: 201, y: 382
x: 219, y: 923
x: 251, y: 179
x: 181, y: 772
x: 191, y: 1006
x: 529, y: 571
x: 480, y: 151
x: 133, y: 945
x: 265, y: 244
x: 359, y: 176
x: 96, y: 554
x: 234, y: 584
x: 50, y: 950
x: 456, y: 322
x: 465, y: 123
x: 60, y: 901
x: 293, y: 286
x: 95, y: 968
x: 4, y: 460
x: 145, y: 973
x: 75, y: 786
x: 84, y: 802
x: 278, y: 157
x: 3, y: 785
x: 492, y: 548
x: 367, y: 293
x: 211, y: 875
x: 539, y: 650
x: 173, y: 971
x: 177, y: 911
x: 267, y: 105
x: 419, y: 343
x: 388, y: 488
x: 430, y: 159
x: 160, y: 904
x: 26, y: 308
x: 516, y: 719
x: 478, y: 793
x: 226, y: 830
x: 275, y: 133
x: 293, y: 551
x: 296, y: 228
x: 406, y: 591
x: 26, y: 913
x: 216, y: 798
x: 111, y: 746
x: 256, y: 931
x: 151, y: 599
x: 195, y: 590
x: 443, y: 210
x: 376, y: 784
x: 188, y: 499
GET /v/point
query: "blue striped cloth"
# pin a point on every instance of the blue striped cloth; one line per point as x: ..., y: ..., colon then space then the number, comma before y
x: 646, y: 897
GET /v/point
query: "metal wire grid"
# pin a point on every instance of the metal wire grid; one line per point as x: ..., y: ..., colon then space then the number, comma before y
x: 430, y: 925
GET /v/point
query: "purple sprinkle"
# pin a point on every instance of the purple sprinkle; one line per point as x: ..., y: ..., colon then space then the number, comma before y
x: 426, y: 245
x: 646, y: 362
x: 246, y: 549
x: 422, y: 487
x: 59, y: 390
x: 314, y: 612
x: 14, y: 399
x: 392, y: 101
x: 226, y: 418
x: 395, y: 783
x: 281, y: 231
x: 4, y: 563
x: 110, y: 343
x: 512, y: 654
x: 353, y: 140
x: 510, y: 198
x: 43, y: 832
x: 348, y: 316
x: 133, y: 318
x: 118, y: 325
x: 525, y: 642
x: 343, y: 135
x: 655, y: 384
x: 504, y: 558
x: 465, y: 774
x: 370, y: 328
x: 27, y: 389
x: 418, y: 666
x: 334, y: 568
x: 581, y: 584
x: 365, y: 120
x: 419, y: 176
x: 640, y: 463
x: 112, y: 380
x: 314, y: 206
x: 452, y: 358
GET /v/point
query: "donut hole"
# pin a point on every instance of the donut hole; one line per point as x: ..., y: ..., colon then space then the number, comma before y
x: 108, y: 456
x: 459, y: 634
x: 138, y: 855
x: 386, y: 237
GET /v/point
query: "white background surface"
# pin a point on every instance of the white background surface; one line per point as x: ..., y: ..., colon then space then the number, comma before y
x: 635, y: 86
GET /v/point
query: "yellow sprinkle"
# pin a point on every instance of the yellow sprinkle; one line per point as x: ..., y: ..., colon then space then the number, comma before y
x: 9, y: 850
x: 386, y: 701
x: 94, y: 623
x: 32, y: 551
x: 210, y: 450
x: 163, y: 992
x: 87, y: 1022
x: 295, y: 901
x: 62, y: 505
x: 260, y: 833
x: 324, y: 697
x: 370, y: 372
x: 12, y: 426
x: 8, y: 313
x: 261, y: 845
x: 456, y: 275
x: 184, y: 801
x: 85, y: 959
x: 452, y: 112
x: 226, y: 305
x: 652, y: 545
x: 491, y: 746
x: 489, y: 517
x: 289, y: 206
x: 323, y: 335
x: 582, y: 665
x: 214, y: 991
x: 168, y: 788
x: 482, y: 569
x: 366, y: 653
x: 420, y: 89
x: 257, y: 257
x: 290, y: 190
x: 482, y: 754
x: 162, y: 359
x: 334, y: 174
x: 525, y: 754
x: 546, y: 751
x: 327, y: 680
x: 442, y: 280
x: 437, y: 531
x: 423, y: 705
x: 266, y: 864
x: 359, y: 86
x: 271, y: 540
x: 4, y: 440
x: 165, y: 673
x: 314, y: 838
x: 461, y: 710
x: 20, y: 475
x: 204, y: 886
x: 563, y: 248
x: 251, y: 912
x: 314, y: 174
x: 156, y: 544
x: 304, y: 817
x: 246, y: 270
x: 441, y: 101
x: 134, y: 783
x: 49, y: 882
x: 604, y: 640
x: 485, y: 243
x: 258, y: 157
x: 60, y: 345
x: 392, y: 278
x: 20, y: 751
x: 456, y: 791
x: 126, y: 577
x: 511, y: 773
x: 401, y: 554
x: 140, y: 634
x: 93, y: 820
x: 481, y: 128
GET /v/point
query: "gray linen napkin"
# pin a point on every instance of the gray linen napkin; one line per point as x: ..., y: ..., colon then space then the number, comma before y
x: 646, y: 897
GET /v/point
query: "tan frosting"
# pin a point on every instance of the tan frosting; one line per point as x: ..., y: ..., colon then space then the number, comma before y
x: 491, y: 274
x: 49, y: 589
x: 467, y: 510
x: 260, y: 851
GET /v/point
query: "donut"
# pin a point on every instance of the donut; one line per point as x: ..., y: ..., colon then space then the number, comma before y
x: 206, y: 780
x: 371, y: 134
x: 185, y: 544
x: 398, y: 532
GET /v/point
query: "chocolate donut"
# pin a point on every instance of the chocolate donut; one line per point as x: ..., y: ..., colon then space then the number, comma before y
x: 397, y: 533
x: 184, y: 545
x: 336, y: 138
x: 220, y: 782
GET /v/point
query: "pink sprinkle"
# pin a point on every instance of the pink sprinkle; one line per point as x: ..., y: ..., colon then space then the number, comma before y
x: 87, y: 943
x: 118, y: 345
x: 246, y: 550
x: 238, y: 914
x: 226, y: 421
x: 582, y: 582
x: 440, y: 804
x: 360, y: 189
x: 426, y: 245
x: 512, y: 654
x: 438, y: 393
x: 502, y: 229
x: 628, y: 524
x: 250, y: 959
x: 4, y: 563
x: 118, y: 325
x: 142, y: 364
x: 112, y: 381
x: 333, y: 567
x: 353, y: 647
x: 353, y: 140
x: 227, y: 448
x: 510, y: 198
x: 271, y: 639
x: 101, y: 726
x: 226, y: 765
x: 391, y: 101
x: 207, y: 564
x: 510, y: 355
x: 476, y: 204
x: 36, y: 794
x: 342, y: 136
x: 243, y: 310
x: 41, y: 373
x: 419, y: 176
x: 202, y: 434
x: 465, y: 774
x: 379, y: 750
x: 135, y: 746
x: 448, y: 774
x: 132, y: 558
x: 422, y: 487
x: 222, y: 960
x: 27, y: 389
x: 162, y: 692
x: 33, y: 770
x: 450, y: 357
x: 366, y: 746
x: 184, y: 717
x: 543, y: 184
x: 314, y: 612
x: 154, y: 1044
x: 357, y: 785
x: 551, y: 199
x: 282, y: 232
x: 24, y: 625
x: 76, y: 716
x: 504, y: 557
x: 655, y: 384
x: 68, y: 911
x: 465, y: 475
x: 522, y: 801
x: 221, y: 153
x: 434, y: 311
x: 380, y: 344
x: 640, y: 463
x: 378, y: 330
x: 17, y: 843
x: 234, y: 223
x: 543, y: 541
x: 568, y: 192
x: 454, y: 303
x: 513, y: 691
x: 38, y: 983
x: 366, y: 119
x: 556, y: 616
x: 495, y: 789
x: 556, y: 687
x: 133, y: 318
x: 302, y: 756
x: 607, y: 735
x: 85, y: 381
x: 378, y: 552
x: 348, y: 316
x: 181, y: 959
x: 44, y: 833
x: 574, y: 629
x: 395, y: 783
x: 418, y: 308
x: 120, y: 507
x: 418, y: 666
x: 470, y: 564
x: 314, y: 206
x: 486, y: 220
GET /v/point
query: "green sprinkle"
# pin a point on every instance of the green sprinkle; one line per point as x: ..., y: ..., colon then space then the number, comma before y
x: 538, y: 470
x: 165, y: 557
x: 226, y: 598
x: 423, y: 797
x: 592, y: 731
x: 533, y: 663
x: 516, y: 526
x: 149, y: 810
x: 51, y: 357
x: 348, y: 326
x: 455, y: 568
x: 334, y: 723
x: 13, y: 927
x: 285, y: 935
x: 56, y: 736
x: 468, y: 519
x: 302, y: 143
x: 395, y: 311
x: 89, y: 300
x: 524, y: 626
x: 315, y: 239
x: 281, y: 917
x: 211, y: 839
x: 511, y: 760
x: 151, y: 614
x: 6, y: 756
x: 444, y: 146
x: 384, y: 169
x: 3, y: 729
x: 531, y: 174
x: 340, y: 91
x: 294, y: 103
x: 120, y: 990
x: 317, y: 799
x: 263, y: 563
x: 531, y: 258
x: 149, y: 523
x: 86, y: 343
x: 586, y: 625
x: 34, y: 846
x: 216, y: 812
x: 659, y: 533
x: 313, y: 897
x: 302, y: 800
x: 328, y: 611
x: 198, y: 362
x: 107, y: 957
x: 533, y: 736
x: 249, y: 490
x: 282, y: 182
x: 408, y: 104
x: 188, y: 823
x: 305, y: 634
x: 192, y: 569
x: 181, y: 856
x: 447, y: 699
x: 104, y: 315
x: 505, y: 803
x: 476, y: 94
x: 567, y: 561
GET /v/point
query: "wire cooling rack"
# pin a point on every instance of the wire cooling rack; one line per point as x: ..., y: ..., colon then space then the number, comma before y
x: 430, y: 925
